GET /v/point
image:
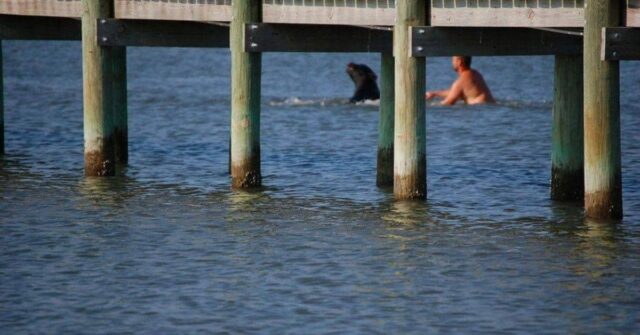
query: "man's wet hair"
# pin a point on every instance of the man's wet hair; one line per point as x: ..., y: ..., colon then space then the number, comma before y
x: 466, y: 60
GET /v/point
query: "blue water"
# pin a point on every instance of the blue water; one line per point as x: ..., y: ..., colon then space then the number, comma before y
x: 167, y: 247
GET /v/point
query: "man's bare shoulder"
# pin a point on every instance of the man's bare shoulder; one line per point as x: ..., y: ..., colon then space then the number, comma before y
x: 474, y: 73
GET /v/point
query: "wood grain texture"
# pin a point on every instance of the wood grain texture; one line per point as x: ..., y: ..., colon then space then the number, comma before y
x: 97, y: 93
x: 384, y: 176
x: 410, y: 120
x: 120, y: 106
x: 567, y: 163
x: 130, y: 9
x: 246, y: 68
x: 42, y: 8
x: 1, y: 102
x: 633, y: 13
x: 602, y: 168
x: 329, y: 15
x: 507, y: 17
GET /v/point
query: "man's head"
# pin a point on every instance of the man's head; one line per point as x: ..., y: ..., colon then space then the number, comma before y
x: 460, y: 62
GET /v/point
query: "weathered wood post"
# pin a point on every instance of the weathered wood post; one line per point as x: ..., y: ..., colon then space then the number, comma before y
x: 602, y: 182
x: 385, y: 122
x: 1, y: 102
x: 120, y: 112
x: 99, y: 142
x: 410, y: 121
x: 567, y: 163
x: 246, y: 70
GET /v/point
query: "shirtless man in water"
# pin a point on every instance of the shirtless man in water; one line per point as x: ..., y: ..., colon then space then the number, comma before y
x: 469, y: 86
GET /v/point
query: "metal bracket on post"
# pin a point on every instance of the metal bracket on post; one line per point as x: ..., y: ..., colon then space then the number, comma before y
x: 620, y: 43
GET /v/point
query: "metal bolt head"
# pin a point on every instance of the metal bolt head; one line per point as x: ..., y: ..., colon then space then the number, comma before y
x: 104, y: 39
x: 616, y: 35
x: 615, y: 54
x: 254, y: 26
x: 103, y: 21
x: 254, y: 45
x: 421, y: 31
x: 420, y: 49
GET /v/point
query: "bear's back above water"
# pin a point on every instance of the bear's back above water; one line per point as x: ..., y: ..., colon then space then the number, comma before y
x: 365, y: 81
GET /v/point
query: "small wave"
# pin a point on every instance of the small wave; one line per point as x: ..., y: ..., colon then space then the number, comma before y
x: 516, y: 104
x: 542, y: 104
x: 369, y: 103
x: 296, y: 101
x: 329, y: 102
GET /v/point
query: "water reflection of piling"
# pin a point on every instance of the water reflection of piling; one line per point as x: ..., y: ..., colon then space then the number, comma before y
x: 242, y: 204
x: 407, y: 212
x: 599, y: 245
x: 104, y: 192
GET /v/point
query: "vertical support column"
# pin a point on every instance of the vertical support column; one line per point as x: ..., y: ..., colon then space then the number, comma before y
x: 120, y: 112
x: 602, y: 182
x: 410, y: 120
x: 567, y: 163
x: 1, y: 102
x: 99, y: 142
x: 385, y: 122
x: 246, y: 70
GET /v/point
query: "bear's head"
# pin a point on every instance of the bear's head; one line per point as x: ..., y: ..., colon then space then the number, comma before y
x: 360, y: 73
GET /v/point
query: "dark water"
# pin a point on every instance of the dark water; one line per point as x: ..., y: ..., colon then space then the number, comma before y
x: 167, y: 247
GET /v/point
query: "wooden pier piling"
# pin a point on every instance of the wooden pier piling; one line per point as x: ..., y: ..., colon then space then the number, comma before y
x: 99, y: 139
x: 246, y: 70
x: 385, y: 122
x: 602, y: 168
x: 410, y: 119
x: 1, y: 102
x: 120, y: 112
x: 567, y: 163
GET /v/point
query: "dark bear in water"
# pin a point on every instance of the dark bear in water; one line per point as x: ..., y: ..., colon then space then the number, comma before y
x: 365, y: 80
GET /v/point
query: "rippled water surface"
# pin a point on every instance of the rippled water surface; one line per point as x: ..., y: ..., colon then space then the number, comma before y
x: 167, y: 246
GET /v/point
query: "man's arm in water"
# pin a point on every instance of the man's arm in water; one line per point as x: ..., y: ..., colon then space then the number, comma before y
x: 449, y: 96
x: 453, y: 94
x: 433, y: 94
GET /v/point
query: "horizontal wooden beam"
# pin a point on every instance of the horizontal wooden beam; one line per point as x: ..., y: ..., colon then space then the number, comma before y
x: 17, y: 27
x: 272, y: 37
x: 620, y: 43
x: 53, y: 8
x: 426, y: 41
x: 507, y: 17
x: 147, y: 33
x: 329, y: 14
x: 449, y: 41
x: 173, y: 10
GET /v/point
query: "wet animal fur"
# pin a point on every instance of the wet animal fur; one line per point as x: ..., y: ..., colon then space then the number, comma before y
x: 365, y: 81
